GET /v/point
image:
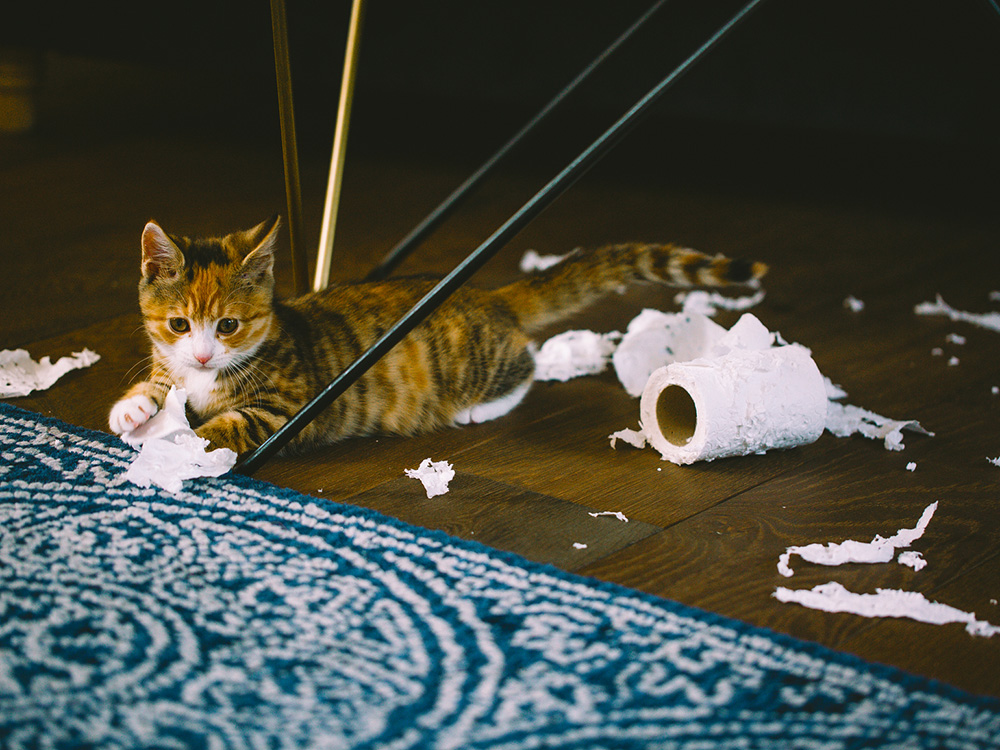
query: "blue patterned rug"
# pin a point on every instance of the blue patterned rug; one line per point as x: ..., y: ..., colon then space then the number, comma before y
x: 241, y: 615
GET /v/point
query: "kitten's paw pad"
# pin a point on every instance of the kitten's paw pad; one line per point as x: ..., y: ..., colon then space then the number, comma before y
x: 130, y: 413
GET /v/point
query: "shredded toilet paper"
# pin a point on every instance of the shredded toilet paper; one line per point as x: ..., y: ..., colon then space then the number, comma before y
x: 532, y: 261
x: 20, y: 374
x: 912, y: 559
x: 635, y: 438
x: 725, y: 364
x: 170, y: 451
x: 833, y: 597
x: 575, y: 353
x: 989, y: 320
x: 654, y: 339
x: 434, y: 475
x: 616, y: 513
x: 709, y: 303
x: 844, y: 420
x: 853, y: 304
x: 878, y: 550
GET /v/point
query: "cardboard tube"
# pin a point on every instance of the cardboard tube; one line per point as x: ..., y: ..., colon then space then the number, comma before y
x: 747, y: 401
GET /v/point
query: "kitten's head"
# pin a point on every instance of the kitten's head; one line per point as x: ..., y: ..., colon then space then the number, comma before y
x: 208, y: 303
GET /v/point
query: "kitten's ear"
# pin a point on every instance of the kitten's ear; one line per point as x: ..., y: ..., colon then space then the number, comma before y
x: 160, y: 256
x: 259, y: 263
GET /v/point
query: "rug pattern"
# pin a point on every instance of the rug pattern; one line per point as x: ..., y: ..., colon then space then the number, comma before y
x: 239, y: 615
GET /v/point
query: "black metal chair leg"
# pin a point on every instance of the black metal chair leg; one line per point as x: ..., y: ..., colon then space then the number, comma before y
x: 433, y: 299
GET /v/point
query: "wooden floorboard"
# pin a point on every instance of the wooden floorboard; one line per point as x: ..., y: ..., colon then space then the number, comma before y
x: 708, y: 535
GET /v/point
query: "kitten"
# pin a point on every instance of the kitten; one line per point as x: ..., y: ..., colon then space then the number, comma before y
x: 249, y: 361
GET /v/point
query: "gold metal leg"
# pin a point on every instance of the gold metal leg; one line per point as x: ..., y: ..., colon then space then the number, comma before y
x: 289, y: 148
x: 332, y: 202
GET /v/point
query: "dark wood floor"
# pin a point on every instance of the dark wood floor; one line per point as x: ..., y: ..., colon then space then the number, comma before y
x: 889, y: 223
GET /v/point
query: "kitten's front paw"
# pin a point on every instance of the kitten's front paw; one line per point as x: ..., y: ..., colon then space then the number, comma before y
x: 130, y: 413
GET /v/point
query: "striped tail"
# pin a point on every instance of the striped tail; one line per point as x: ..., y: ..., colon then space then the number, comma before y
x: 583, y: 277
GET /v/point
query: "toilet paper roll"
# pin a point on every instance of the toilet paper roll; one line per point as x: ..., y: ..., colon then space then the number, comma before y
x: 748, y: 401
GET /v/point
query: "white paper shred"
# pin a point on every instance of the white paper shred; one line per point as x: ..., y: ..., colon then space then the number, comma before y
x: 532, y: 261
x: 878, y: 550
x: 912, y: 466
x: 912, y: 559
x: 954, y: 338
x: 833, y: 597
x: 709, y: 303
x: 170, y: 451
x: 579, y: 545
x: 989, y: 320
x: 994, y: 461
x: 20, y: 374
x: 844, y: 420
x: 853, y: 304
x: 575, y: 353
x: 616, y: 513
x: 434, y: 475
x: 635, y: 438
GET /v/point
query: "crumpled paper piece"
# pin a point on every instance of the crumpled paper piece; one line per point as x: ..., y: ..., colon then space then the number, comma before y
x: 575, y: 353
x: 434, y: 475
x: 170, y: 451
x: 20, y: 374
x: 878, y: 550
x: 833, y: 597
x: 990, y: 320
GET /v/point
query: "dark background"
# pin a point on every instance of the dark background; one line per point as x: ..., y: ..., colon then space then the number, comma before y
x: 916, y: 70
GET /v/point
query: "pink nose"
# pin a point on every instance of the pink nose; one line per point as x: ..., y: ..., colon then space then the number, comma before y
x: 203, y: 358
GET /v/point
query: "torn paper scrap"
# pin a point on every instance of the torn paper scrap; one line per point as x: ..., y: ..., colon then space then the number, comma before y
x: 912, y: 466
x: 878, y: 550
x: 434, y: 475
x: 20, y: 374
x: 579, y: 545
x: 170, y: 451
x: 844, y: 420
x: 833, y: 597
x: 954, y: 338
x: 654, y: 339
x: 989, y: 320
x: 575, y: 353
x: 616, y: 513
x: 853, y: 304
x: 635, y: 438
x: 709, y: 303
x: 533, y: 261
x: 912, y: 559
x: 994, y: 461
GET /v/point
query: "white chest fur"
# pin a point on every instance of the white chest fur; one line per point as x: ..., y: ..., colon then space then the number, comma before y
x: 200, y: 386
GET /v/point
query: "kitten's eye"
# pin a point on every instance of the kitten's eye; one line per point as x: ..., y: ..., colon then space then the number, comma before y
x: 227, y: 326
x: 179, y: 325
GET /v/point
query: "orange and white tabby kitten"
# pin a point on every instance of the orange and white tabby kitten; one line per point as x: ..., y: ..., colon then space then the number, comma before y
x: 249, y: 361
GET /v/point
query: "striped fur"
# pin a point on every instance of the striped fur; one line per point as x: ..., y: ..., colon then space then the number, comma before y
x: 250, y: 361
